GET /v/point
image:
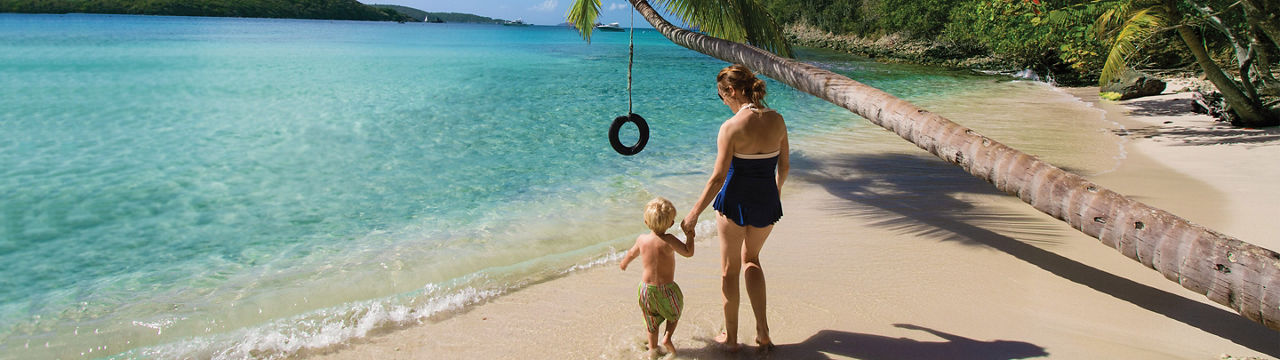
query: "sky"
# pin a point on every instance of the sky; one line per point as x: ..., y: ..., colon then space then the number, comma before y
x: 538, y: 12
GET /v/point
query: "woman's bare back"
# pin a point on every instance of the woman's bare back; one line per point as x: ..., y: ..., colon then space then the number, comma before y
x: 757, y: 131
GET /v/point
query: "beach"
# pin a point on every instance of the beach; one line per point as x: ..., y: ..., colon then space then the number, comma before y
x: 869, y: 263
x: 378, y: 190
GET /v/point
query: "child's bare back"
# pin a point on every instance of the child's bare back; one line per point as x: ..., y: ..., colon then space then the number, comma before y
x: 657, y: 255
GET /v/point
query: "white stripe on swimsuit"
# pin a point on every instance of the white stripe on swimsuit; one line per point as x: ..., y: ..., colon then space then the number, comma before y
x: 757, y: 156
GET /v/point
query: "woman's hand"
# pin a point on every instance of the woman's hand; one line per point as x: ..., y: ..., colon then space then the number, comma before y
x: 689, y: 223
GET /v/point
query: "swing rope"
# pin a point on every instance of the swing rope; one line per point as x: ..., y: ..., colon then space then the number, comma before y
x: 631, y: 58
x: 631, y: 116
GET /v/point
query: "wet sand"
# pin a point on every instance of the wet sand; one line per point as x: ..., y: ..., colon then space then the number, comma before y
x: 876, y: 259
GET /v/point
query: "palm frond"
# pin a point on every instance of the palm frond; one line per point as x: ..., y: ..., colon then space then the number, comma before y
x: 1139, y: 26
x: 1114, y: 18
x: 1103, y: 25
x: 1066, y: 15
x: 715, y: 18
x: 762, y: 29
x: 583, y: 14
x: 744, y: 21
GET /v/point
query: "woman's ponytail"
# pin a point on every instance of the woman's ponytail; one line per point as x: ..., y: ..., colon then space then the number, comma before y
x: 757, y: 92
x: 740, y: 78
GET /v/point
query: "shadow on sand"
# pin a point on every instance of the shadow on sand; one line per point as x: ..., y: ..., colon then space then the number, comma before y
x: 828, y: 343
x: 917, y: 194
x: 1160, y: 107
x: 1219, y: 133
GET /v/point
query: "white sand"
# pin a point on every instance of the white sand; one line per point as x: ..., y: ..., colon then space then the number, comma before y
x: 869, y: 263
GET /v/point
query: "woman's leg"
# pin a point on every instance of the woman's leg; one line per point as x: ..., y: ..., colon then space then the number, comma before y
x: 731, y: 239
x: 755, y: 238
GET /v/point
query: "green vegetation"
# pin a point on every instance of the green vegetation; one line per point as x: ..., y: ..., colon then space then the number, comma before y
x: 922, y: 18
x: 1235, y: 44
x: 417, y: 15
x: 298, y: 9
x: 440, y: 17
x: 1011, y: 30
x: 450, y: 17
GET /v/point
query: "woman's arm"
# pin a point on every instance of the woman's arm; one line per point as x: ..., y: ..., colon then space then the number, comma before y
x: 724, y: 157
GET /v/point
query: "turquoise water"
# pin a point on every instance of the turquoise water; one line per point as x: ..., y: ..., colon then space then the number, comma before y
x: 214, y: 187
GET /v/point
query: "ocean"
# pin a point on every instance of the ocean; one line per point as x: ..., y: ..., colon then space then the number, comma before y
x: 180, y: 187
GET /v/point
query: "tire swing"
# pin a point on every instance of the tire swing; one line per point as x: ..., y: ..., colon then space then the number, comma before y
x: 631, y: 117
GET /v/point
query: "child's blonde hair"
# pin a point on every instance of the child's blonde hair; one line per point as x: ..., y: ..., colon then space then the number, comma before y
x: 659, y: 214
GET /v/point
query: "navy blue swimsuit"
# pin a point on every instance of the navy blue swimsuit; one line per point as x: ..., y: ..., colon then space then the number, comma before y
x: 750, y: 192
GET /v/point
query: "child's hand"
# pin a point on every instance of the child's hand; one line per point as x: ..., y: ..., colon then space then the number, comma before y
x: 631, y: 255
x: 689, y: 223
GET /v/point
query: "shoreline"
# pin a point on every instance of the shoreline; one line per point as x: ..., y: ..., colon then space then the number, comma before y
x: 897, y: 49
x: 976, y: 272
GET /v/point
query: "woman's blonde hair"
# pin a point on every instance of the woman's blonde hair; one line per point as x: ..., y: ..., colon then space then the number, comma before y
x: 739, y: 77
x: 659, y: 214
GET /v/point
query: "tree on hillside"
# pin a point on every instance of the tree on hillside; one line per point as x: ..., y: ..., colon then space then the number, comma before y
x: 1129, y: 22
x: 1240, y: 275
x: 1265, y: 15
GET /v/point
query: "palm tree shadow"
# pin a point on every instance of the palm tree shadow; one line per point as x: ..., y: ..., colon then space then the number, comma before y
x: 826, y: 343
x: 917, y: 194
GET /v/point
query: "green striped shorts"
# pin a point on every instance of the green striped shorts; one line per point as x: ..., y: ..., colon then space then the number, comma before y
x: 660, y: 302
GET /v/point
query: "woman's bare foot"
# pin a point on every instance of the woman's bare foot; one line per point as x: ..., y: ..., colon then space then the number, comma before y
x: 723, y: 340
x: 766, y: 345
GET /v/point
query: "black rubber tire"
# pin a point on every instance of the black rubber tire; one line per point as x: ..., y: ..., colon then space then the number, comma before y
x: 617, y: 126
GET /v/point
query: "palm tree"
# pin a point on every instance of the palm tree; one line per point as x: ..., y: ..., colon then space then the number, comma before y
x: 1139, y: 19
x: 1242, y: 276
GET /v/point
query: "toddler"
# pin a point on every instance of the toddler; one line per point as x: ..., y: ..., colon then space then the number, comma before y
x: 660, y: 297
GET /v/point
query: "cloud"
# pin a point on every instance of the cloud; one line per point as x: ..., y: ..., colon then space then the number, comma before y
x: 619, y: 6
x: 548, y: 5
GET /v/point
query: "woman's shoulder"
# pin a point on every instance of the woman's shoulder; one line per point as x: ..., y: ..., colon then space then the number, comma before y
x: 735, y: 121
x: 771, y: 114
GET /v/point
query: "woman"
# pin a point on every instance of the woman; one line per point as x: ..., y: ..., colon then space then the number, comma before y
x: 752, y: 161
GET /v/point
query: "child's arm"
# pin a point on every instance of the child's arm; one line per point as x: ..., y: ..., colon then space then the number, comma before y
x: 684, y: 249
x: 631, y: 255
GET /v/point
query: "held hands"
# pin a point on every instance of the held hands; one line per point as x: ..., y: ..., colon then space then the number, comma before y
x: 688, y: 225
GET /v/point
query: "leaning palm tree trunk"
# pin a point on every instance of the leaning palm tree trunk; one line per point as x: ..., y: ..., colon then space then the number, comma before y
x: 1231, y: 272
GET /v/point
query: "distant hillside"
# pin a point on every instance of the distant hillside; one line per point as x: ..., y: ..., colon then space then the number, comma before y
x: 464, y: 18
x: 448, y: 17
x: 417, y: 15
x: 296, y: 9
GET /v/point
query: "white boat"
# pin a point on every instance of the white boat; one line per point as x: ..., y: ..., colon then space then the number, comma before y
x: 516, y: 22
x: 609, y: 27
